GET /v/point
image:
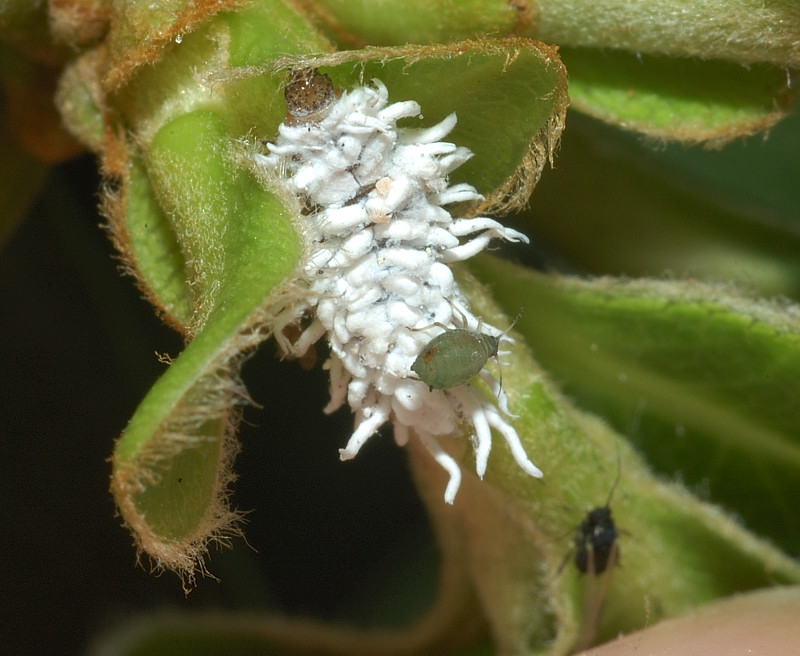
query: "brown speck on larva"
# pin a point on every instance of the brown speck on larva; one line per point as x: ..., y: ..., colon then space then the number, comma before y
x: 307, y: 95
x: 383, y: 186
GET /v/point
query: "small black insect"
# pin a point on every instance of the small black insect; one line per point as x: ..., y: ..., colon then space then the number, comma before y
x: 596, y: 540
x: 596, y: 549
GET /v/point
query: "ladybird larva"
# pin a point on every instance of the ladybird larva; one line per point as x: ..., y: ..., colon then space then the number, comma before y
x: 378, y: 242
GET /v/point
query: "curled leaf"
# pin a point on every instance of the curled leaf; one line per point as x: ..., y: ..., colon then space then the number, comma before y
x: 681, y: 99
x: 211, y: 244
x: 745, y: 31
x: 703, y: 74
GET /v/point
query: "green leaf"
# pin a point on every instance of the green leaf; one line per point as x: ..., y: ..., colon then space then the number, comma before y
x: 78, y: 102
x: 703, y: 380
x: 189, y: 90
x: 172, y: 464
x: 718, y: 73
x: 141, y: 33
x: 152, y: 244
x: 746, y: 31
x: 682, y: 99
x: 679, y: 552
x: 754, y: 175
x: 616, y: 207
x: 419, y: 21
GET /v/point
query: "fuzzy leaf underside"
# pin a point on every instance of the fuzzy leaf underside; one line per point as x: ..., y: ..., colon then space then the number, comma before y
x: 709, y: 555
x: 208, y: 244
x: 173, y: 461
x: 680, y: 99
x: 704, y: 380
x: 716, y: 73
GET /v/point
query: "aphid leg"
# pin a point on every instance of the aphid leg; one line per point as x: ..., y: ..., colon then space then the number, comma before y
x: 616, y: 481
x: 460, y: 321
x: 378, y: 414
x: 447, y: 463
x: 462, y: 312
x: 502, y: 401
x: 435, y: 324
x: 564, y: 562
x: 512, y: 439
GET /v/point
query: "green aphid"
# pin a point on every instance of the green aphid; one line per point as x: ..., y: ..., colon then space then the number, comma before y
x: 454, y: 357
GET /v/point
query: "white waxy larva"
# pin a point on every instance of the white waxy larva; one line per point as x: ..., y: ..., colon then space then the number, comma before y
x: 377, y: 240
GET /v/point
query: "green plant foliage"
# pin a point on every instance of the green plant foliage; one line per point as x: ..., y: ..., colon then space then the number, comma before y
x: 688, y: 380
x: 234, y: 259
x: 440, y: 21
x: 718, y: 72
x: 685, y: 99
x: 209, y: 243
x: 703, y: 378
x: 505, y: 536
